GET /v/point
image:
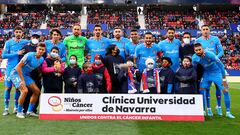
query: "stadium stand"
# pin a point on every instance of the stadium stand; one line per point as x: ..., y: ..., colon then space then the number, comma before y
x: 219, y: 19
x: 126, y: 17
x: 62, y: 20
x: 30, y: 20
x: 156, y: 18
x: 113, y: 16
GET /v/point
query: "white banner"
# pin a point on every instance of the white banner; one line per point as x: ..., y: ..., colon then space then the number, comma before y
x: 121, y: 107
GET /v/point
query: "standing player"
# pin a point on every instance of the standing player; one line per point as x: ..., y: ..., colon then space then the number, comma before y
x: 120, y: 41
x: 12, y: 51
x: 213, y: 72
x: 98, y: 44
x: 170, y: 48
x: 20, y: 76
x: 56, y: 35
x: 145, y: 51
x: 75, y: 45
x: 212, y: 44
x: 130, y: 47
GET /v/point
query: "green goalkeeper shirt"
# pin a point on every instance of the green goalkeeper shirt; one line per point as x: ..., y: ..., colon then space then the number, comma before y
x: 75, y: 46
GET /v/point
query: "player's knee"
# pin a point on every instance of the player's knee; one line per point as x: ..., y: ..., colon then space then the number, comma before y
x: 37, y: 92
x: 24, y: 92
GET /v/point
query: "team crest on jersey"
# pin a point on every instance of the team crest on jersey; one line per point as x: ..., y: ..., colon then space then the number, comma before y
x: 103, y: 43
x: 211, y: 42
x: 154, y: 51
x: 238, y: 28
x: 80, y: 41
x: 209, y: 60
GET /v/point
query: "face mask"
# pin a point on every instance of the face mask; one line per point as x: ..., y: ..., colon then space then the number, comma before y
x: 98, y: 62
x: 35, y: 41
x: 150, y: 66
x: 186, y: 41
x: 118, y: 51
x: 53, y: 55
x: 72, y: 62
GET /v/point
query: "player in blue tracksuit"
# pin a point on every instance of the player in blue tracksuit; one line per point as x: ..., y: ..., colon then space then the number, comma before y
x: 145, y: 51
x: 213, y: 72
x: 170, y: 48
x: 55, y: 35
x: 12, y: 50
x: 130, y: 47
x: 20, y: 76
x: 98, y: 44
x: 120, y: 41
x: 212, y: 44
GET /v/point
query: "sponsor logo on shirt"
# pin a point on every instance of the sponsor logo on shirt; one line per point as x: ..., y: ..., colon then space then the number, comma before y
x: 209, y: 49
x: 172, y: 52
x: 98, y: 50
x: 77, y: 47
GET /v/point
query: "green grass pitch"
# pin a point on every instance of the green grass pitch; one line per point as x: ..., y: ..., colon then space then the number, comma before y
x: 10, y: 125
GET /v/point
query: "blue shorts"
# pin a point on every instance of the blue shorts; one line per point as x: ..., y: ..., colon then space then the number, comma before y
x: 16, y: 80
x: 208, y: 79
x: 7, y: 79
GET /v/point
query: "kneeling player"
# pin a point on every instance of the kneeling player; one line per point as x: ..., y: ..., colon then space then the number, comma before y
x: 213, y: 72
x: 22, y: 80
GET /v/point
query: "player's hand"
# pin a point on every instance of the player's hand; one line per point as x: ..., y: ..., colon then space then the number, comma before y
x: 21, y: 52
x: 225, y: 84
x: 22, y: 85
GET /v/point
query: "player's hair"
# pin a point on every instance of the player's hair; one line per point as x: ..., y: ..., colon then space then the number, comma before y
x: 73, y: 56
x: 148, y: 33
x: 56, y: 48
x: 134, y: 30
x: 171, y: 28
x: 41, y: 44
x: 187, y: 33
x: 55, y: 30
x: 117, y: 28
x: 197, y: 45
x: 205, y: 25
x: 97, y: 25
x: 18, y: 28
x: 76, y: 24
x: 85, y: 65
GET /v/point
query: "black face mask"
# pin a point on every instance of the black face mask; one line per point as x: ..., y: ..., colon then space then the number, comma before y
x: 118, y: 51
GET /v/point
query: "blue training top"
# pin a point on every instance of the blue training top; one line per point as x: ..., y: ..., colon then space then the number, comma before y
x: 210, y: 62
x: 60, y: 46
x: 10, y: 51
x: 30, y: 62
x: 212, y: 44
x: 171, y: 50
x: 97, y: 47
